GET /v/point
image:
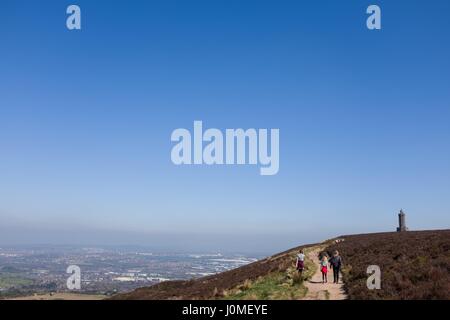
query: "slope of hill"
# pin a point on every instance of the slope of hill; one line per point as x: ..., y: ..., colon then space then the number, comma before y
x: 415, y: 265
x: 263, y: 276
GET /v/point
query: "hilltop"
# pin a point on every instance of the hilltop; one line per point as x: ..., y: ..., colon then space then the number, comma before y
x: 415, y: 265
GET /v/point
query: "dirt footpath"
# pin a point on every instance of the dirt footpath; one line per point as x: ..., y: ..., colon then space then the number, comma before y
x: 323, y: 291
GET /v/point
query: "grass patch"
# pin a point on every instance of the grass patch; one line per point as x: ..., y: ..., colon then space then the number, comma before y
x: 275, y: 286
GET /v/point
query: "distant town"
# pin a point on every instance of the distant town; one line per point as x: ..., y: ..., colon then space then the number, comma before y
x: 104, y: 271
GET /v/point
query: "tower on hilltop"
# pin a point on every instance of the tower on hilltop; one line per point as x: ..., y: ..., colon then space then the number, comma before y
x: 402, y: 222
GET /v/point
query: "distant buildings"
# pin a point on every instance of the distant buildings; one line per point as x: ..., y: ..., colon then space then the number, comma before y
x: 402, y: 222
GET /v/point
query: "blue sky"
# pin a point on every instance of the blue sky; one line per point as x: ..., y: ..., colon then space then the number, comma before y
x: 86, y: 118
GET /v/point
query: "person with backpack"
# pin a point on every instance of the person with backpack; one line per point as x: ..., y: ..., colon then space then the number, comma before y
x: 300, y: 264
x: 336, y: 264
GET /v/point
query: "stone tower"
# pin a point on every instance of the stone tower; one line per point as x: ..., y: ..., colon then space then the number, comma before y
x: 402, y: 222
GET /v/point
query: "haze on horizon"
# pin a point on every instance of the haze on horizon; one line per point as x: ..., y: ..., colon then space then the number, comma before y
x: 86, y: 118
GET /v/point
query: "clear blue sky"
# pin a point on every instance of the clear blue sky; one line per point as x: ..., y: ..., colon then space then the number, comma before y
x: 86, y: 118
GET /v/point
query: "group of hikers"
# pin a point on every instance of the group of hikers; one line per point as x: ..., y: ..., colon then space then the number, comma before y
x: 335, y: 263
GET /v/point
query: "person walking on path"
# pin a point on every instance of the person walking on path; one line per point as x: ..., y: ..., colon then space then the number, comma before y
x: 336, y: 264
x: 324, y: 268
x: 300, y: 264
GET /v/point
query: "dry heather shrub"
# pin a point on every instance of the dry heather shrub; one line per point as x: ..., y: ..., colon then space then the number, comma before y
x: 297, y: 278
x: 246, y: 285
x: 290, y: 272
x: 284, y: 265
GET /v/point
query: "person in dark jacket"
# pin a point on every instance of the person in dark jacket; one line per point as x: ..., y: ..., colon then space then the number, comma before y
x: 336, y: 264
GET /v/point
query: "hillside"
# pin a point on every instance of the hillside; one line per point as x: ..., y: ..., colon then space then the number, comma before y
x: 415, y: 265
x: 217, y: 286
